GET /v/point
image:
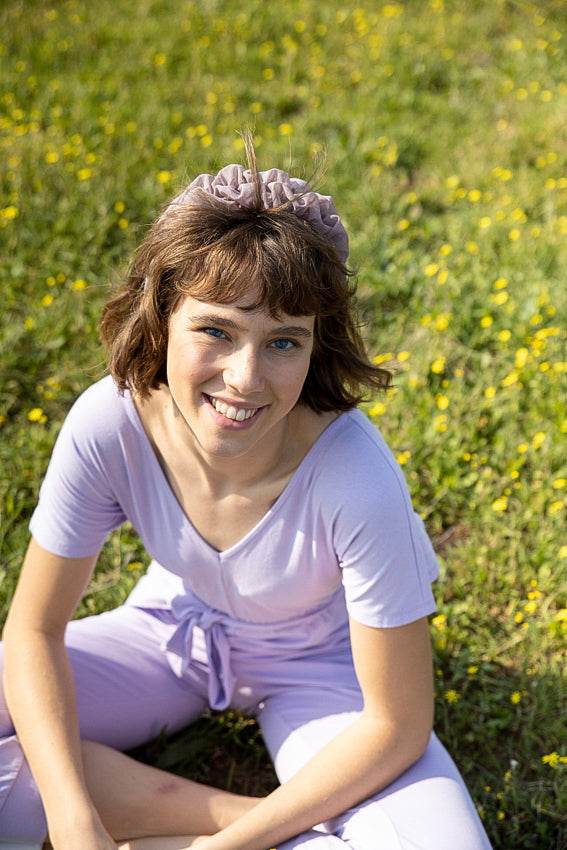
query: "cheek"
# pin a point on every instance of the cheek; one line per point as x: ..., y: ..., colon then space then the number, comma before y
x: 293, y: 379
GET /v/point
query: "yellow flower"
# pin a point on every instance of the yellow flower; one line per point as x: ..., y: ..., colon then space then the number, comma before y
x: 78, y: 285
x: 516, y: 697
x: 37, y: 415
x: 554, y: 760
x: 378, y: 410
x: 452, y: 696
x: 10, y: 212
x: 438, y: 366
x: 521, y: 358
x: 431, y: 269
x: 84, y: 173
x: 538, y: 440
x: 500, y: 505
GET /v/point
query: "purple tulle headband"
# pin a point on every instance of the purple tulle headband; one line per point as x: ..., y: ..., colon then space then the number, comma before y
x: 234, y: 186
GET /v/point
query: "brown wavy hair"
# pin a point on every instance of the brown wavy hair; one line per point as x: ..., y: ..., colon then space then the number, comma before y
x: 217, y: 253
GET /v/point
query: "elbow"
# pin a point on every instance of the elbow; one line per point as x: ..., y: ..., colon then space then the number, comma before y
x: 413, y: 733
x: 420, y: 728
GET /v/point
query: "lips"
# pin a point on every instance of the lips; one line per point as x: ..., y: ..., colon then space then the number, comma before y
x: 237, y: 414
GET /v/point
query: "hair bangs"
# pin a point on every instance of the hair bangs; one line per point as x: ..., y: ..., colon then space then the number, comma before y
x: 258, y: 254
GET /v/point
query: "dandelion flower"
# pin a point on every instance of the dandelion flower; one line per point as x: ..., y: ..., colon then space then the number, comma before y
x: 452, y: 696
x: 500, y: 505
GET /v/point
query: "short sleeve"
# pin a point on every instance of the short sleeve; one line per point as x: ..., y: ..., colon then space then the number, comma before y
x: 387, y: 560
x: 77, y: 506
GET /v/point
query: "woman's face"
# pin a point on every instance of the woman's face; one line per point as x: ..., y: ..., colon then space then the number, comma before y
x: 234, y: 374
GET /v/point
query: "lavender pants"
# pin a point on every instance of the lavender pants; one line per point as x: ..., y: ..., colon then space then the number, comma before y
x: 137, y: 671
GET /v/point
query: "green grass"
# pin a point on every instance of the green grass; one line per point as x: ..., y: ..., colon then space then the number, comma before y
x: 444, y: 125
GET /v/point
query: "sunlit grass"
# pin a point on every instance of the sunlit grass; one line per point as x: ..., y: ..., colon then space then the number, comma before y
x: 444, y: 125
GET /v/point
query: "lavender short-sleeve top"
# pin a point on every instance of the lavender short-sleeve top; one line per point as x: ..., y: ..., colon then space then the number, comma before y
x: 343, y: 528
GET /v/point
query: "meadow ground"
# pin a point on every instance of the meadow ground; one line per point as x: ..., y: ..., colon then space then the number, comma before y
x: 445, y: 126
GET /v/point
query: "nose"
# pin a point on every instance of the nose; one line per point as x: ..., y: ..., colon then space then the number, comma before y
x: 243, y: 371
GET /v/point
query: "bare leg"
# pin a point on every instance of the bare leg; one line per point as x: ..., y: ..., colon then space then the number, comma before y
x: 137, y: 801
x: 180, y: 842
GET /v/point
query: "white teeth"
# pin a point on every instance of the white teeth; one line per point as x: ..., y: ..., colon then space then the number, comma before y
x: 232, y: 412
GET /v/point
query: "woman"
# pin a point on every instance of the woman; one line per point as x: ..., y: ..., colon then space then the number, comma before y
x: 290, y: 577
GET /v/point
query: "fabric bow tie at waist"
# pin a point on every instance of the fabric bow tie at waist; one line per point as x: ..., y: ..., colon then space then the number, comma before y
x: 321, y: 631
x: 179, y: 648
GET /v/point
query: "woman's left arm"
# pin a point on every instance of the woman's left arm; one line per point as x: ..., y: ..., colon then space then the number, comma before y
x: 394, y: 669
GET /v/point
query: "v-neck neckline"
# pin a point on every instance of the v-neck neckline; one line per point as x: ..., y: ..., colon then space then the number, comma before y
x: 225, y: 554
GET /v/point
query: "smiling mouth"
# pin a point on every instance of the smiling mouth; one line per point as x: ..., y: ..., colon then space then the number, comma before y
x: 231, y: 412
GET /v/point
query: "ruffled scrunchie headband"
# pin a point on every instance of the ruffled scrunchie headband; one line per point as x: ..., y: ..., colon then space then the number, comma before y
x: 235, y: 186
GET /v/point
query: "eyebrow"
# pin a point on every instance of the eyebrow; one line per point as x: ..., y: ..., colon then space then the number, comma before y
x: 219, y: 321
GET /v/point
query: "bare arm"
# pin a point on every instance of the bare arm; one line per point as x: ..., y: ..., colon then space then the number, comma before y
x: 395, y: 673
x: 40, y: 692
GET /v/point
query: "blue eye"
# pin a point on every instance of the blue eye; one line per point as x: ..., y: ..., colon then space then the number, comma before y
x: 216, y: 333
x: 283, y: 344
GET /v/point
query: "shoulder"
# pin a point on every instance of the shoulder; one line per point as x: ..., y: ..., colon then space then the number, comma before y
x: 99, y: 402
x: 98, y: 425
x: 354, y: 453
x: 100, y: 410
x: 358, y: 482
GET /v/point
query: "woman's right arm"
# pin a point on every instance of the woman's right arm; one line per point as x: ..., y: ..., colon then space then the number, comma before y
x: 40, y: 693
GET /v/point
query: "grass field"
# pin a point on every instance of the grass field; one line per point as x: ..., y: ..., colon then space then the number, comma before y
x: 445, y: 126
